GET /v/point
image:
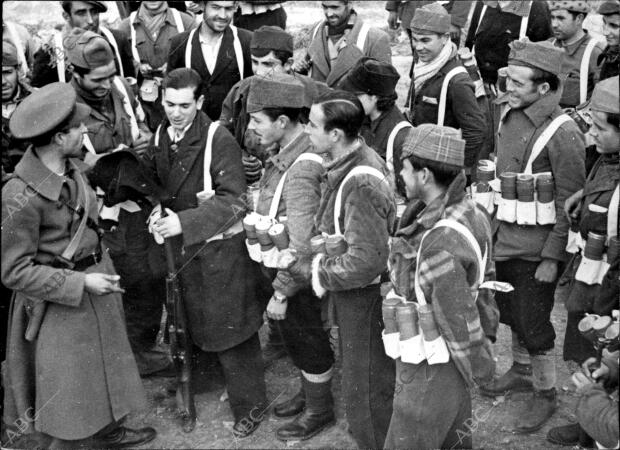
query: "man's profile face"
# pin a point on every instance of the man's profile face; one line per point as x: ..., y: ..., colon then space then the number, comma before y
x: 263, y: 65
x: 98, y: 81
x: 412, y: 180
x: 606, y: 136
x: 522, y: 91
x: 563, y: 24
x: 218, y: 15
x: 336, y: 12
x: 321, y: 139
x: 181, y: 106
x: 611, y: 29
x: 83, y: 15
x: 267, y: 131
x: 9, y: 83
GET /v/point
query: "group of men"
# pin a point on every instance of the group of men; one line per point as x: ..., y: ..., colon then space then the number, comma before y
x: 203, y: 139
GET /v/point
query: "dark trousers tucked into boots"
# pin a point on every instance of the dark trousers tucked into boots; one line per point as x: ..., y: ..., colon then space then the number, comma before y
x: 367, y: 373
x: 432, y: 408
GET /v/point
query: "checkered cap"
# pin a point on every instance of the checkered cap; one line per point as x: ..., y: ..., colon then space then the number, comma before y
x: 278, y: 90
x: 570, y: 5
x: 434, y: 143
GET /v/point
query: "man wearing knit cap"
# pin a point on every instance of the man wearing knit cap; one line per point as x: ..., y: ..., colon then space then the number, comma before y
x: 581, y: 298
x: 275, y: 104
x: 14, y: 90
x: 535, y: 136
x: 438, y: 70
x: 339, y: 42
x: 374, y: 84
x: 582, y: 51
x: 50, y: 60
x: 450, y: 269
x: 116, y: 121
x: 609, y: 60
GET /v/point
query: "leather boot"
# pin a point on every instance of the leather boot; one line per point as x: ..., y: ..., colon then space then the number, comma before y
x: 567, y: 435
x: 292, y: 406
x: 540, y: 407
x: 517, y: 379
x: 318, y: 414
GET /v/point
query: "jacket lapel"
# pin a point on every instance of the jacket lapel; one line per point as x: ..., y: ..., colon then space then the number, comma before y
x: 347, y: 57
x: 198, y: 61
x: 225, y: 55
x: 319, y: 53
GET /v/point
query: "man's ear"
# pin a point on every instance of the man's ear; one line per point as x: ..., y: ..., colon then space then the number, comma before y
x: 200, y: 101
x: 543, y: 88
x: 66, y: 16
x: 288, y: 65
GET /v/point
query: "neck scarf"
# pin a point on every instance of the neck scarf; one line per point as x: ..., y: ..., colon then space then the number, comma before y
x: 423, y: 71
x: 98, y: 103
x: 153, y: 20
x: 339, y: 30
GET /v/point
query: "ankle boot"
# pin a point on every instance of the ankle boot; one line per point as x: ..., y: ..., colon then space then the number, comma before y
x: 540, y: 407
x: 318, y: 414
x: 517, y: 379
x: 567, y: 435
x: 292, y: 406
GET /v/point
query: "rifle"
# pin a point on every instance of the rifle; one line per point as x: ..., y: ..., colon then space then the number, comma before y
x: 180, y: 342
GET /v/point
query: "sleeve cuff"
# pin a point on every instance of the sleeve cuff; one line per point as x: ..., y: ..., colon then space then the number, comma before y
x: 316, y: 283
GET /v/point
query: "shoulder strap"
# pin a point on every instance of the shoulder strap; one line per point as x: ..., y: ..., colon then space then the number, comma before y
x: 207, y: 180
x: 132, y: 29
x: 156, y: 141
x: 584, y: 69
x: 60, y: 57
x: 441, y: 114
x: 612, y: 213
x: 389, y: 151
x: 361, y: 37
x: 110, y: 37
x: 523, y: 29
x: 316, y: 29
x: 238, y: 50
x: 178, y: 21
x: 21, y: 54
x: 544, y: 138
x: 77, y: 237
x: 135, y: 131
x: 484, y: 10
x: 359, y: 170
x: 188, y: 48
x: 277, y: 196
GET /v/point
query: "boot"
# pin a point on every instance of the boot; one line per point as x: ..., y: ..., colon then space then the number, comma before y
x: 318, y: 414
x: 567, y: 435
x: 292, y: 406
x: 540, y: 407
x: 517, y: 379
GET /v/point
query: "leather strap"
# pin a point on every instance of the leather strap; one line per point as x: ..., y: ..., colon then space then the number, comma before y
x: 110, y: 37
x: 543, y: 140
x: 443, y: 96
x: 584, y: 69
x: 236, y: 47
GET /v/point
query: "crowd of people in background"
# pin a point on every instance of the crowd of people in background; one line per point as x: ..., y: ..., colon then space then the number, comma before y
x: 191, y: 154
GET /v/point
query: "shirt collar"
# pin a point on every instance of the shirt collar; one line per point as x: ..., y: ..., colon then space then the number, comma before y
x: 540, y: 110
x: 172, y: 132
x: 338, y: 168
x: 572, y: 48
x: 287, y: 155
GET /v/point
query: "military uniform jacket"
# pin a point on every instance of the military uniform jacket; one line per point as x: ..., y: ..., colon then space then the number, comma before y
x: 80, y: 374
x: 462, y: 110
x: 376, y: 45
x: 218, y: 279
x: 563, y: 156
x: 367, y: 218
x: 216, y: 85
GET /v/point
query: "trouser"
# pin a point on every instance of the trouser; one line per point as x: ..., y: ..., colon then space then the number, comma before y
x: 253, y: 22
x: 432, y: 408
x: 145, y: 292
x: 245, y: 379
x: 367, y: 373
x: 527, y: 309
x: 305, y: 338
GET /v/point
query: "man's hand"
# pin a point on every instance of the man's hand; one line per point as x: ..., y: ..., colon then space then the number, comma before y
x: 276, y: 309
x: 101, y: 283
x: 393, y: 20
x: 302, y: 65
x: 547, y: 271
x: 168, y: 226
x: 141, y: 144
x: 145, y: 69
x: 298, y: 266
x: 572, y: 203
x: 599, y: 374
x: 581, y: 382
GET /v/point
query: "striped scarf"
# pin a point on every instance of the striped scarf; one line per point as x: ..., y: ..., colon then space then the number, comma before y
x: 424, y: 71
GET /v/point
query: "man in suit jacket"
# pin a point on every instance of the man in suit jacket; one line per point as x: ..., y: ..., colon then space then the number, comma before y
x: 217, y: 50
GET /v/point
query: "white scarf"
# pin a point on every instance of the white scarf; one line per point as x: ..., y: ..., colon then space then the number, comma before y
x: 424, y: 71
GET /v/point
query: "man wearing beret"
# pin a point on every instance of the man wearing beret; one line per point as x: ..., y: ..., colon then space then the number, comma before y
x: 385, y: 127
x: 116, y: 121
x: 535, y: 136
x: 339, y: 42
x: 69, y: 358
x: 218, y: 50
x: 610, y: 58
x: 450, y: 270
x: 150, y: 29
x: 203, y: 222
x: 357, y: 207
x: 581, y: 298
x: 49, y: 61
x: 14, y: 90
x: 437, y: 65
x: 582, y: 50
x: 275, y: 105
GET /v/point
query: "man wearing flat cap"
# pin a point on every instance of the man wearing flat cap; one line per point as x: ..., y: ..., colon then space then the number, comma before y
x: 581, y: 298
x: 534, y: 137
x: 67, y: 318
x: 291, y: 187
x: 609, y: 60
x: 199, y: 164
x: 449, y: 269
x: 582, y: 51
x: 339, y: 41
x: 438, y: 70
x: 374, y: 84
x: 14, y: 91
x: 50, y: 60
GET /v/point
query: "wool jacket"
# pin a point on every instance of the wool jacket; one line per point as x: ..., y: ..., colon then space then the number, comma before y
x: 216, y: 85
x: 448, y: 269
x: 563, y: 156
